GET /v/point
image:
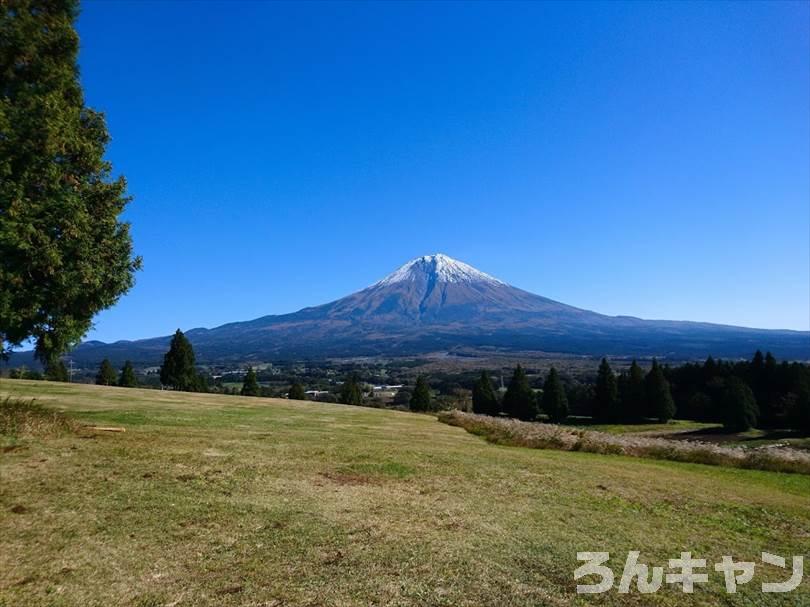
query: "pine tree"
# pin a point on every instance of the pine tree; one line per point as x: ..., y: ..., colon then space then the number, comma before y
x: 56, y: 371
x: 297, y: 392
x: 555, y: 402
x: 420, y: 399
x: 607, y: 394
x: 659, y: 395
x: 127, y: 378
x: 106, y: 374
x: 64, y: 253
x: 635, y: 394
x: 178, y: 365
x: 350, y: 391
x: 250, y: 385
x: 519, y: 400
x: 484, y: 400
x: 740, y: 411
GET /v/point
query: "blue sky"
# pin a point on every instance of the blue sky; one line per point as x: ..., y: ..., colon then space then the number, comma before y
x: 649, y: 159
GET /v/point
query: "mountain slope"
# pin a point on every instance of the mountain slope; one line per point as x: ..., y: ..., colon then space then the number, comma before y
x: 436, y: 303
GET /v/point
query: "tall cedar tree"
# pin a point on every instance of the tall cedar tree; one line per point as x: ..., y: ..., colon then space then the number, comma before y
x: 178, y: 366
x: 127, y: 378
x: 519, y: 400
x: 420, y: 399
x: 740, y: 411
x: 555, y: 402
x: 607, y: 393
x: 635, y: 395
x: 106, y: 375
x: 659, y: 395
x: 56, y: 371
x: 297, y: 392
x: 350, y: 391
x: 64, y: 253
x: 250, y: 385
x: 484, y: 400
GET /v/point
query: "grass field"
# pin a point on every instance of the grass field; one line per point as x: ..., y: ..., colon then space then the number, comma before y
x: 224, y: 500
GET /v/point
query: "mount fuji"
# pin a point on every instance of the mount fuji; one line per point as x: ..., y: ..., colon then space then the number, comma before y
x: 435, y: 303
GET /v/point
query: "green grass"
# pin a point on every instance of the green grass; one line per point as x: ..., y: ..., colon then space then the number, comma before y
x: 671, y: 427
x: 223, y: 500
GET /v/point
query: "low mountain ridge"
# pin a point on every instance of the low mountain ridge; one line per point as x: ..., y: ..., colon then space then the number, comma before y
x: 436, y: 303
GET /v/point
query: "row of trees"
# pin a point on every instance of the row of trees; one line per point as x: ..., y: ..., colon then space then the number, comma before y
x: 520, y: 400
x: 107, y: 376
x: 780, y: 391
x: 740, y: 395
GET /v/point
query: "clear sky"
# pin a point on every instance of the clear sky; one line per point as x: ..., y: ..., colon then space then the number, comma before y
x: 649, y: 159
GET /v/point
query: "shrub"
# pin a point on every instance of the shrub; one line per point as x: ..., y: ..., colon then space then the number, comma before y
x: 21, y: 418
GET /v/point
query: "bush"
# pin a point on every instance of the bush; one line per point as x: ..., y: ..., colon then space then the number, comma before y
x: 21, y: 418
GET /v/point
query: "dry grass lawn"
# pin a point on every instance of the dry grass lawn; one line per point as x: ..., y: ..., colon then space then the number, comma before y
x: 223, y: 500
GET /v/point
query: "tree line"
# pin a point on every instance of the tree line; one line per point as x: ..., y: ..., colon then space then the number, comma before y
x: 741, y: 395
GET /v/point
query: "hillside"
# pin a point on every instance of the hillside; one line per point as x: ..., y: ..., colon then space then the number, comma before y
x: 436, y: 303
x: 223, y: 500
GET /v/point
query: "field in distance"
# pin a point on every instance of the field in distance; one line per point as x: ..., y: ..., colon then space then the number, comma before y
x: 222, y: 500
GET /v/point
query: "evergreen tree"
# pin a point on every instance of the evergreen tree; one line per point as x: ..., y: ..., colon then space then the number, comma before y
x: 519, y: 400
x: 484, y: 400
x: 635, y: 398
x: 420, y: 399
x: 106, y: 375
x: 64, y: 253
x: 402, y: 398
x: 178, y: 365
x: 607, y: 394
x: 250, y: 385
x: 659, y: 395
x: 127, y: 378
x: 297, y: 392
x: 200, y: 383
x: 740, y: 411
x: 350, y: 391
x: 56, y: 371
x: 555, y: 402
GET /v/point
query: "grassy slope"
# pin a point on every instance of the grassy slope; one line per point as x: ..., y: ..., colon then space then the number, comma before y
x: 211, y: 500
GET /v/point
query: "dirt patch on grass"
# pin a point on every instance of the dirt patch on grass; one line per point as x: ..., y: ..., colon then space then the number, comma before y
x: 350, y: 479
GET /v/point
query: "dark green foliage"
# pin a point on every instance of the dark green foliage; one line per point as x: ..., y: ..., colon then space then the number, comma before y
x: 57, y: 371
x: 484, y: 400
x: 297, y: 392
x: 402, y: 397
x: 327, y: 398
x: 127, y: 378
x: 351, y: 392
x: 250, y: 385
x: 420, y: 399
x: 178, y: 365
x: 634, y: 398
x: 740, y: 411
x: 606, y: 398
x: 555, y: 402
x: 106, y: 375
x: 659, y: 396
x: 64, y: 253
x: 519, y: 400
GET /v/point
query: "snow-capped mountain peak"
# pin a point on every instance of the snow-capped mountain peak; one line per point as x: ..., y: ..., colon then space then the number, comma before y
x: 439, y: 268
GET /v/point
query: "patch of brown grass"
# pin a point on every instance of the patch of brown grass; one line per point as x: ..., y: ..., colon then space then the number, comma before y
x: 25, y: 418
x: 535, y: 435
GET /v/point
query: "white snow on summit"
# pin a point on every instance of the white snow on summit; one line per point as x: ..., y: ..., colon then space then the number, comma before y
x: 444, y: 268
